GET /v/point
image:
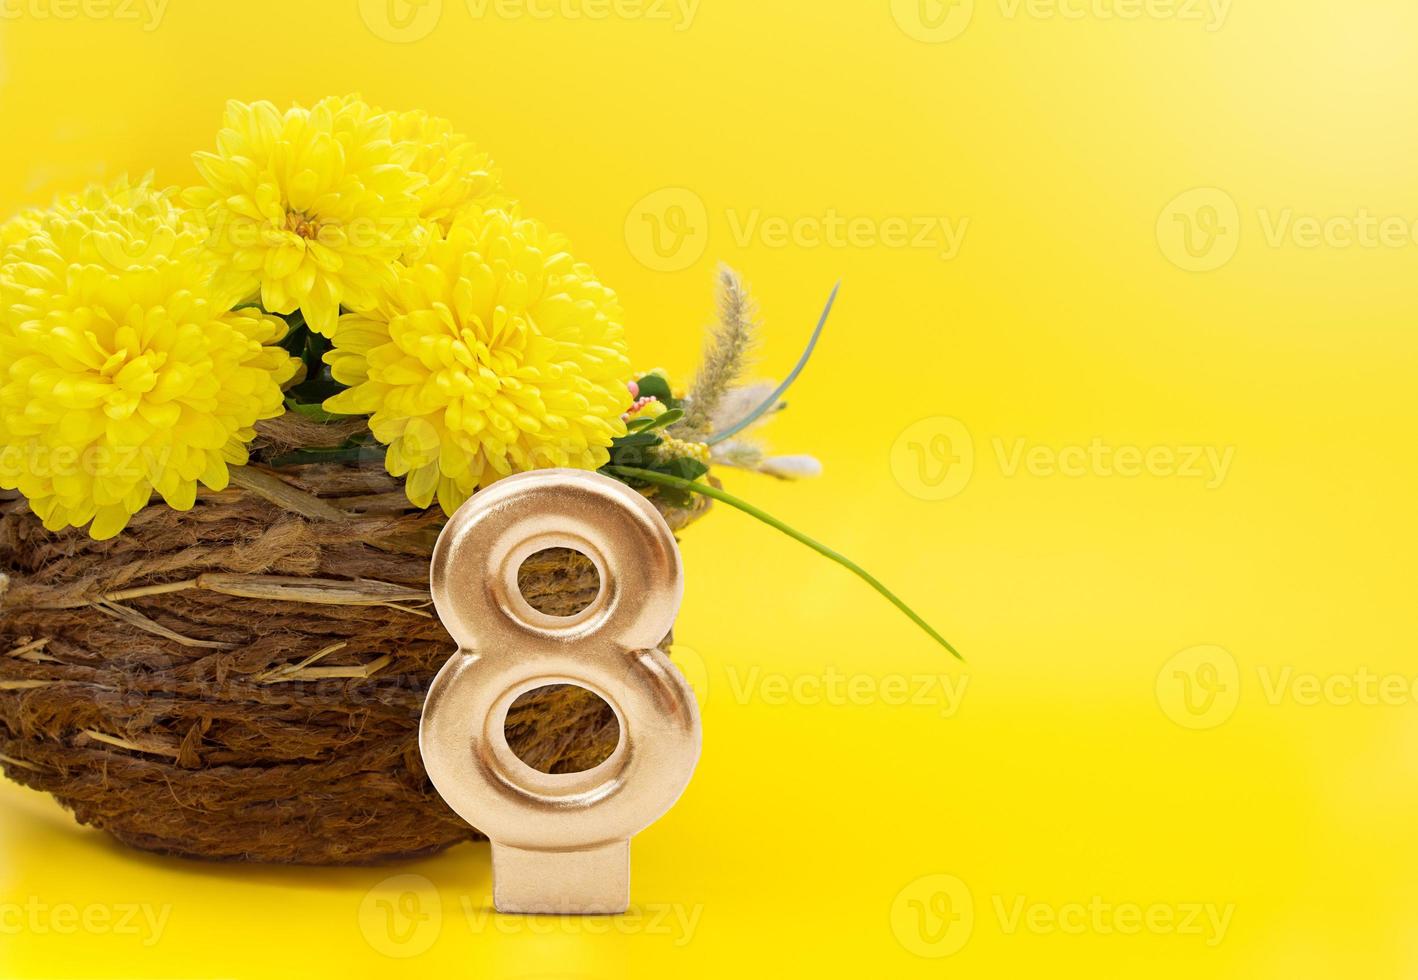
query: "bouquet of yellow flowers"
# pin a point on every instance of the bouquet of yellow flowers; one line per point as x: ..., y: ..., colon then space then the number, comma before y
x: 265, y: 392
x: 338, y: 251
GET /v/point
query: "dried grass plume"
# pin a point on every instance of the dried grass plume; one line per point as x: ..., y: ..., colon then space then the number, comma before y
x: 725, y: 356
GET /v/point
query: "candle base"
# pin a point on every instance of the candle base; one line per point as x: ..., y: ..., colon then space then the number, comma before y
x: 584, y: 882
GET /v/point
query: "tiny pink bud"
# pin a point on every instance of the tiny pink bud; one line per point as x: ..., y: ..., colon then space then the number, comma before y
x: 634, y: 389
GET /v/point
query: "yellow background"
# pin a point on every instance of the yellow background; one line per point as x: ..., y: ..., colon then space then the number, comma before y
x: 1075, y: 781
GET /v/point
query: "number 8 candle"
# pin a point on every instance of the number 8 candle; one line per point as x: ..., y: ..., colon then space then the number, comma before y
x: 560, y: 842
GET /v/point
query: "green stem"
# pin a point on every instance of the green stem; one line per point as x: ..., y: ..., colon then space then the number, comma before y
x: 674, y: 482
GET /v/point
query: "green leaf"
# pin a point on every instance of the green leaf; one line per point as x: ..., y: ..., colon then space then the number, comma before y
x: 663, y: 420
x: 654, y: 386
x: 667, y: 418
x: 311, y: 410
x: 672, y: 482
x: 685, y: 468
x: 636, y: 440
x: 337, y: 454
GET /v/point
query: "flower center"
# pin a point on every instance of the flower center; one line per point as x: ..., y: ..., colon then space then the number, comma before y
x: 305, y: 227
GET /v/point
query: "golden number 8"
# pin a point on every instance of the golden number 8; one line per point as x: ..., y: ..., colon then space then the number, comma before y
x: 507, y: 648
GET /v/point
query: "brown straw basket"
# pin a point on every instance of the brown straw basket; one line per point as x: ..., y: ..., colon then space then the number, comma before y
x: 244, y: 681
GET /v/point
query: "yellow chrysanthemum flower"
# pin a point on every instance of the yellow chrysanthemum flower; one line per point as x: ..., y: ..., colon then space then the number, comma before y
x: 459, y: 175
x: 122, y: 370
x: 496, y: 353
x: 311, y: 206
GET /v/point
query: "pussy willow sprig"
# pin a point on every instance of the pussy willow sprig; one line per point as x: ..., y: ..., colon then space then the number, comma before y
x: 654, y: 457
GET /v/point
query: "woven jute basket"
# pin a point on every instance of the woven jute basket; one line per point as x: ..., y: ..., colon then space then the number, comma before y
x: 244, y: 681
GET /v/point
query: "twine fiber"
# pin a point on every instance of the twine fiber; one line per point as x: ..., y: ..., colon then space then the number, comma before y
x: 195, y: 685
